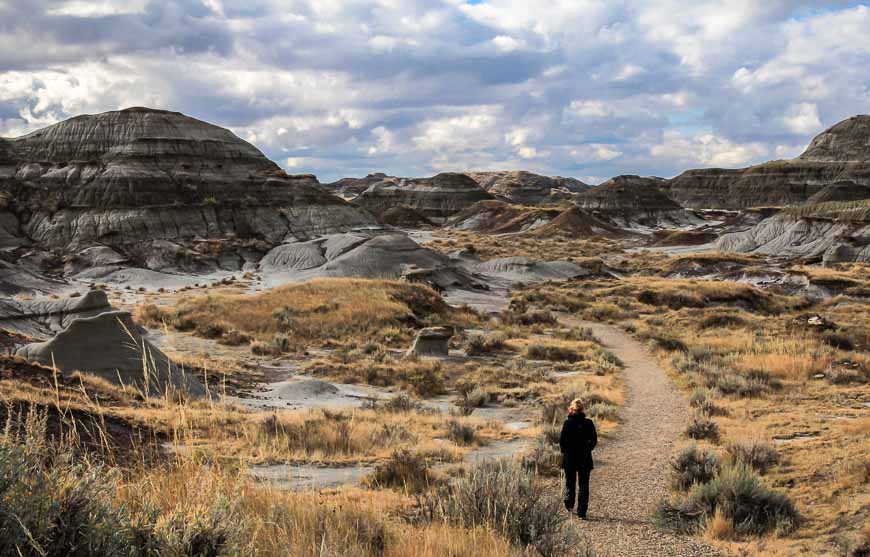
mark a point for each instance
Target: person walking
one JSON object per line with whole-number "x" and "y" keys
{"x": 577, "y": 440}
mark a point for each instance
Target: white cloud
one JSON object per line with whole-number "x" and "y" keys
{"x": 98, "y": 8}
{"x": 506, "y": 43}
{"x": 803, "y": 118}
{"x": 707, "y": 149}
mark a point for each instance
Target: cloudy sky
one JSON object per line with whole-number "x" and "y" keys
{"x": 580, "y": 88}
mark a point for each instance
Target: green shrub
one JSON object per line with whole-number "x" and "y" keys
{"x": 758, "y": 454}
{"x": 702, "y": 427}
{"x": 479, "y": 345}
{"x": 506, "y": 498}
{"x": 461, "y": 433}
{"x": 544, "y": 459}
{"x": 740, "y": 496}
{"x": 552, "y": 353}
{"x": 403, "y": 469}
{"x": 669, "y": 343}
{"x": 693, "y": 465}
{"x": 54, "y": 502}
{"x": 603, "y": 411}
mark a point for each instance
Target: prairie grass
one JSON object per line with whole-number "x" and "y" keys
{"x": 315, "y": 312}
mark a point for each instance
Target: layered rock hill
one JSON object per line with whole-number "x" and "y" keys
{"x": 349, "y": 188}
{"x": 839, "y": 154}
{"x": 526, "y": 188}
{"x": 635, "y": 203}
{"x": 437, "y": 197}
{"x": 142, "y": 174}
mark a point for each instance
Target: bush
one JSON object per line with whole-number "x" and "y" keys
{"x": 405, "y": 470}
{"x": 506, "y": 498}
{"x": 460, "y": 433}
{"x": 478, "y": 345}
{"x": 54, "y": 502}
{"x": 739, "y": 496}
{"x": 512, "y": 317}
{"x": 235, "y": 338}
{"x": 603, "y": 411}
{"x": 552, "y": 353}
{"x": 398, "y": 404}
{"x": 693, "y": 465}
{"x": 758, "y": 454}
{"x": 721, "y": 321}
{"x": 426, "y": 381}
{"x": 839, "y": 340}
{"x": 702, "y": 427}
{"x": 211, "y": 330}
{"x": 669, "y": 343}
{"x": 729, "y": 382}
{"x": 544, "y": 459}
{"x": 149, "y": 315}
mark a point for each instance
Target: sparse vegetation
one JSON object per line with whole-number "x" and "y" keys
{"x": 505, "y": 497}
{"x": 693, "y": 465}
{"x": 737, "y": 496}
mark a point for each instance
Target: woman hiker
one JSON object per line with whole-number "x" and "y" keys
{"x": 577, "y": 440}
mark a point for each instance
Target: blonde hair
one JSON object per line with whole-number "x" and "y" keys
{"x": 576, "y": 406}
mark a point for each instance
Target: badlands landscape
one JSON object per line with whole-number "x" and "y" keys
{"x": 205, "y": 355}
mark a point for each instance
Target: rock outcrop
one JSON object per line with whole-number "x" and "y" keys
{"x": 527, "y": 188}
{"x": 499, "y": 217}
{"x": 432, "y": 342}
{"x": 635, "y": 203}
{"x": 111, "y": 346}
{"x": 839, "y": 154}
{"x": 387, "y": 256}
{"x": 436, "y": 198}
{"x": 830, "y": 232}
{"x": 841, "y": 191}
{"x": 349, "y": 188}
{"x": 141, "y": 174}
{"x": 43, "y": 318}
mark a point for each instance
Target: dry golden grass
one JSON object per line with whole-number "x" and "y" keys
{"x": 320, "y": 311}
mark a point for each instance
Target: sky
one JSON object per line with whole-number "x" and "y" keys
{"x": 582, "y": 88}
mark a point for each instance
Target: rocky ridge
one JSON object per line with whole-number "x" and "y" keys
{"x": 527, "y": 188}
{"x": 437, "y": 197}
{"x": 839, "y": 154}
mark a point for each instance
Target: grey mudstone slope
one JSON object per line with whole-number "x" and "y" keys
{"x": 840, "y": 153}
{"x": 527, "y": 188}
{"x": 364, "y": 255}
{"x": 437, "y": 197}
{"x": 111, "y": 346}
{"x": 143, "y": 174}
{"x": 832, "y": 232}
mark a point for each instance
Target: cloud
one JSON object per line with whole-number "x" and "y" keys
{"x": 411, "y": 87}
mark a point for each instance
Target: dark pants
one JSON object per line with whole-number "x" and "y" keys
{"x": 572, "y": 478}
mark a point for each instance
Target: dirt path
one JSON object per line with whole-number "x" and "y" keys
{"x": 631, "y": 471}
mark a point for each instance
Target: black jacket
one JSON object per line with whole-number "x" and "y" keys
{"x": 577, "y": 440}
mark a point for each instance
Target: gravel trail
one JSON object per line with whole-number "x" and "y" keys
{"x": 631, "y": 471}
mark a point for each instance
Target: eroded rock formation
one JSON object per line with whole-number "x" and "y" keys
{"x": 437, "y": 197}
{"x": 142, "y": 174}
{"x": 635, "y": 203}
{"x": 839, "y": 154}
{"x": 527, "y": 188}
